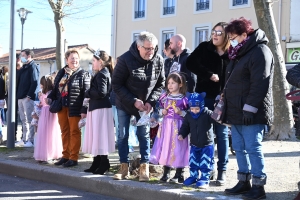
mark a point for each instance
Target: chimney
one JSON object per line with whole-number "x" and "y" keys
{"x": 66, "y": 45}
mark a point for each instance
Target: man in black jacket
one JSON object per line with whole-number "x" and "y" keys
{"x": 137, "y": 81}
{"x": 177, "y": 46}
{"x": 27, "y": 90}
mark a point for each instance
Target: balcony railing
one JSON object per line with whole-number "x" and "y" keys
{"x": 202, "y": 6}
{"x": 139, "y": 14}
{"x": 169, "y": 10}
{"x": 239, "y": 2}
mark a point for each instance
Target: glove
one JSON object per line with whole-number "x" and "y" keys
{"x": 248, "y": 118}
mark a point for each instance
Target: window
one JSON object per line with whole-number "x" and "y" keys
{"x": 239, "y": 2}
{"x": 201, "y": 33}
{"x": 234, "y": 4}
{"x": 165, "y": 34}
{"x": 135, "y": 35}
{"x": 168, "y": 8}
{"x": 202, "y": 5}
{"x": 139, "y": 9}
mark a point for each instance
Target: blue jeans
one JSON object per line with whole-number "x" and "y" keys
{"x": 116, "y": 121}
{"x": 142, "y": 134}
{"x": 221, "y": 132}
{"x": 247, "y": 143}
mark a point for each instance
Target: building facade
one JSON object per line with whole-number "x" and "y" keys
{"x": 194, "y": 19}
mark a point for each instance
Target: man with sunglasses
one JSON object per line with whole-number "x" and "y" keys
{"x": 137, "y": 81}
{"x": 181, "y": 53}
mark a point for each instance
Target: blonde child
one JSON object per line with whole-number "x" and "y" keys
{"x": 167, "y": 149}
{"x": 48, "y": 144}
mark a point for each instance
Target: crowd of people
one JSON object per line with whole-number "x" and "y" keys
{"x": 234, "y": 66}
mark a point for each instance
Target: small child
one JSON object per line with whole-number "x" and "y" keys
{"x": 167, "y": 149}
{"x": 48, "y": 143}
{"x": 198, "y": 122}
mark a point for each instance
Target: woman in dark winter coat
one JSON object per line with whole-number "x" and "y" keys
{"x": 208, "y": 61}
{"x": 70, "y": 84}
{"x": 249, "y": 103}
{"x": 100, "y": 115}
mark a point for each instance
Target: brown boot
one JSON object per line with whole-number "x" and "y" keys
{"x": 144, "y": 172}
{"x": 122, "y": 173}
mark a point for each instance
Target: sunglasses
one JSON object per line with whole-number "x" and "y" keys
{"x": 218, "y": 33}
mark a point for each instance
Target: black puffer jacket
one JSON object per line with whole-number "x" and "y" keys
{"x": 136, "y": 78}
{"x": 99, "y": 90}
{"x": 190, "y": 77}
{"x": 204, "y": 61}
{"x": 200, "y": 129}
{"x": 78, "y": 84}
{"x": 249, "y": 87}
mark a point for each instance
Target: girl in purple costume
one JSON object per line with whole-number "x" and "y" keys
{"x": 167, "y": 149}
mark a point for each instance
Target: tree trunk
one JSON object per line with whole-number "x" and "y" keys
{"x": 283, "y": 116}
{"x": 59, "y": 41}
{"x": 57, "y": 9}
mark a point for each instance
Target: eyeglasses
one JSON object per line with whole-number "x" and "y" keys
{"x": 218, "y": 33}
{"x": 149, "y": 49}
{"x": 233, "y": 37}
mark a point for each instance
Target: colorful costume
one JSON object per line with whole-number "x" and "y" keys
{"x": 167, "y": 149}
{"x": 48, "y": 143}
{"x": 202, "y": 148}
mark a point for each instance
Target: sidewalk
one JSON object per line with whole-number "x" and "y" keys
{"x": 282, "y": 168}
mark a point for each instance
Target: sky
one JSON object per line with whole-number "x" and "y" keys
{"x": 92, "y": 27}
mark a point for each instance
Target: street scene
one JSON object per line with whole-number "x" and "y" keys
{"x": 111, "y": 99}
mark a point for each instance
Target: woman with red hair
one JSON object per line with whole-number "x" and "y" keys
{"x": 249, "y": 103}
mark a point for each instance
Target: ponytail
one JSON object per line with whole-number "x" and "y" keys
{"x": 110, "y": 65}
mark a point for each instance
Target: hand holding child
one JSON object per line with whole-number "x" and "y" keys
{"x": 177, "y": 110}
{"x": 164, "y": 112}
{"x": 180, "y": 137}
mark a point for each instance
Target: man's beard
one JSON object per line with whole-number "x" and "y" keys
{"x": 173, "y": 52}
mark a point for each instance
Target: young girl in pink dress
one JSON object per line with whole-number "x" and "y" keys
{"x": 167, "y": 149}
{"x": 48, "y": 143}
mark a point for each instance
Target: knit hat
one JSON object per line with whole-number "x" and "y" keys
{"x": 197, "y": 100}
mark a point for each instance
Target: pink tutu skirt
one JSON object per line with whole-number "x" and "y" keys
{"x": 99, "y": 136}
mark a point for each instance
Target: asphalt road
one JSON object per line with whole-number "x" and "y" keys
{"x": 17, "y": 188}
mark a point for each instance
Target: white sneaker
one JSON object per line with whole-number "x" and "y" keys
{"x": 19, "y": 144}
{"x": 28, "y": 144}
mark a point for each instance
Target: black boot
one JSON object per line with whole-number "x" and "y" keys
{"x": 240, "y": 188}
{"x": 256, "y": 192}
{"x": 178, "y": 178}
{"x": 95, "y": 164}
{"x": 104, "y": 165}
{"x": 166, "y": 175}
{"x": 221, "y": 180}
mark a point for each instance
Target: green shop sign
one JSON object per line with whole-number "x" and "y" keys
{"x": 293, "y": 55}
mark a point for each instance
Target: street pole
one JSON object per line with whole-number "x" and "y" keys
{"x": 12, "y": 80}
{"x": 22, "y": 21}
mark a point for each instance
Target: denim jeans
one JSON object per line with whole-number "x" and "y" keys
{"x": 26, "y": 107}
{"x": 142, "y": 134}
{"x": 115, "y": 114}
{"x": 221, "y": 132}
{"x": 247, "y": 143}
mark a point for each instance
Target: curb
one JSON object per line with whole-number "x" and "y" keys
{"x": 101, "y": 184}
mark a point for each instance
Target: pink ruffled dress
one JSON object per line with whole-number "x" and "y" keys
{"x": 48, "y": 142}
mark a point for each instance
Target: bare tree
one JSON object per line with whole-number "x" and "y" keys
{"x": 283, "y": 115}
{"x": 67, "y": 8}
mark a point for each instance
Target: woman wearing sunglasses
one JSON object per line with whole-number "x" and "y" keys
{"x": 208, "y": 61}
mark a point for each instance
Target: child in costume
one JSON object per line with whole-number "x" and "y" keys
{"x": 198, "y": 122}
{"x": 167, "y": 149}
{"x": 48, "y": 143}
